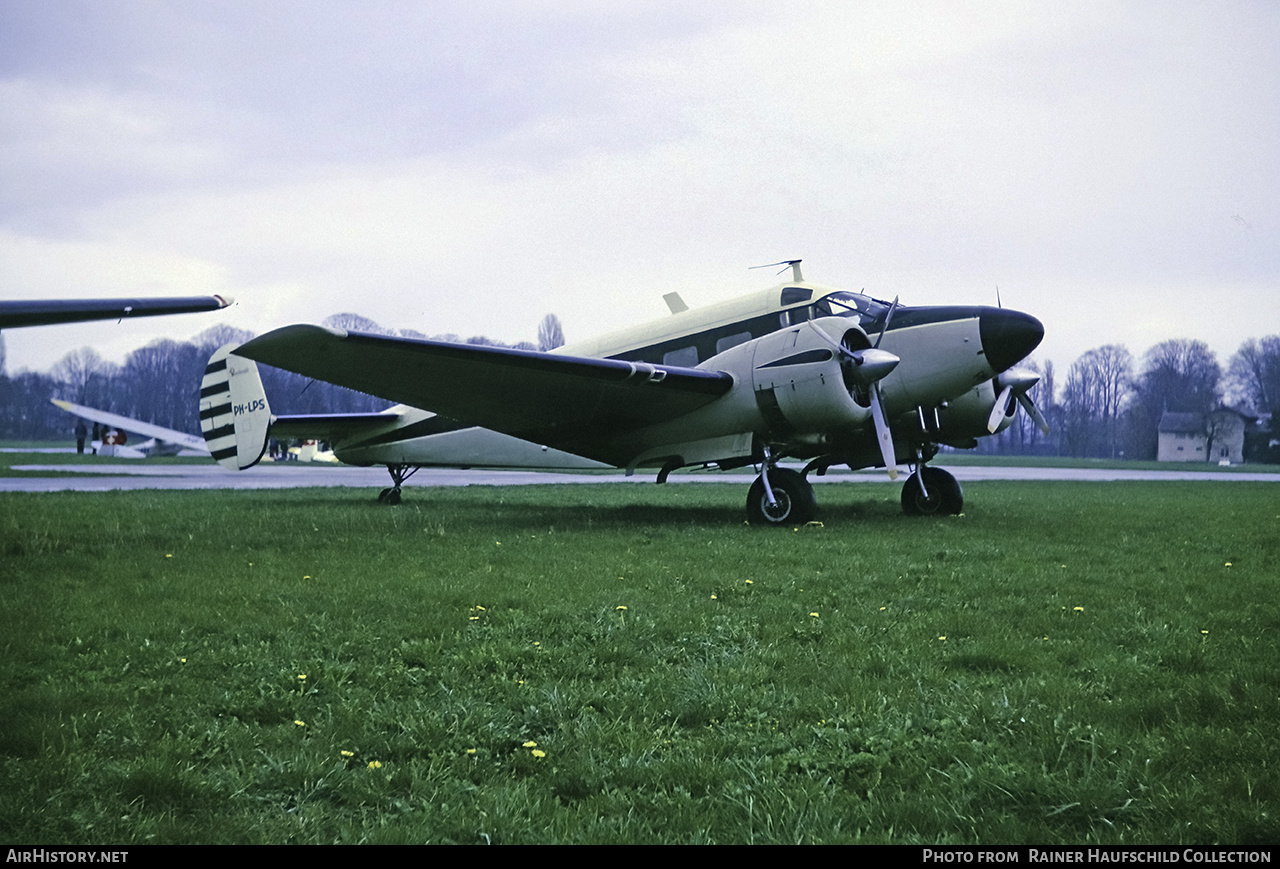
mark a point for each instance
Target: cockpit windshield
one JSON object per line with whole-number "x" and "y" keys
{"x": 845, "y": 304}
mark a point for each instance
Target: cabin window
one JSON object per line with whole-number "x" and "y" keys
{"x": 685, "y": 357}
{"x": 732, "y": 341}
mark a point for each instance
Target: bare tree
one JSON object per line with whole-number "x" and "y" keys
{"x": 216, "y": 336}
{"x": 1097, "y": 385}
{"x": 1254, "y": 374}
{"x": 550, "y": 333}
{"x": 76, "y": 372}
{"x": 354, "y": 323}
{"x": 1180, "y": 375}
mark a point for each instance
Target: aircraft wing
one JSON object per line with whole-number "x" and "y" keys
{"x": 571, "y": 403}
{"x": 145, "y": 429}
{"x": 47, "y": 312}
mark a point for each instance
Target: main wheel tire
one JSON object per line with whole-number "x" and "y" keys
{"x": 389, "y": 496}
{"x": 942, "y": 495}
{"x": 795, "y": 503}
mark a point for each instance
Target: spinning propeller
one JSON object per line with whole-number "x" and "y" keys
{"x": 1014, "y": 385}
{"x": 867, "y": 367}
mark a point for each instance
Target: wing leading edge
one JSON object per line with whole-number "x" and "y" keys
{"x": 576, "y": 404}
{"x": 53, "y": 311}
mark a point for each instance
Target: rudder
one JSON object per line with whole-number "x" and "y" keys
{"x": 235, "y": 418}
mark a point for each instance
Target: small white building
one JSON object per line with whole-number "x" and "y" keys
{"x": 1198, "y": 437}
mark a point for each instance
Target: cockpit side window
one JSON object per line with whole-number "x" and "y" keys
{"x": 795, "y": 295}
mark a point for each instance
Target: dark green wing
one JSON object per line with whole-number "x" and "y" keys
{"x": 572, "y": 403}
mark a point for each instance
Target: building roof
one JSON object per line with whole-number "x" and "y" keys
{"x": 1185, "y": 423}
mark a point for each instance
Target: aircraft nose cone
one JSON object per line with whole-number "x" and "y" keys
{"x": 1008, "y": 336}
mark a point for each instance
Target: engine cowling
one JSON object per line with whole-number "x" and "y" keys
{"x": 965, "y": 418}
{"x": 804, "y": 386}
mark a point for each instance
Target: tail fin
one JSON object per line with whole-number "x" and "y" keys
{"x": 234, "y": 415}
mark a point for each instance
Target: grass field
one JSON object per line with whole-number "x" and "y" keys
{"x": 1064, "y": 663}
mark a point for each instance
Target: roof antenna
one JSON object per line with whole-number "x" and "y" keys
{"x": 795, "y": 268}
{"x": 998, "y": 305}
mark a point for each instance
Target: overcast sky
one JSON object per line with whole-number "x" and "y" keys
{"x": 469, "y": 167}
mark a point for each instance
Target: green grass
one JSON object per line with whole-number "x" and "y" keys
{"x": 1064, "y": 663}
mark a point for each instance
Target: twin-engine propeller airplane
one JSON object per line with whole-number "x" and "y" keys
{"x": 799, "y": 371}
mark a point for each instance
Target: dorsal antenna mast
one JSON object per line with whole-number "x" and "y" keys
{"x": 793, "y": 263}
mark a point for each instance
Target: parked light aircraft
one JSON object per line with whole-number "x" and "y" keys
{"x": 163, "y": 441}
{"x": 798, "y": 371}
{"x": 49, "y": 312}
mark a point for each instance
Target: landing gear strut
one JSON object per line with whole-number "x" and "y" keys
{"x": 399, "y": 473}
{"x": 932, "y": 492}
{"x": 780, "y": 496}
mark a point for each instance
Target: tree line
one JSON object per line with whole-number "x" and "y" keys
{"x": 160, "y": 383}
{"x": 1111, "y": 403}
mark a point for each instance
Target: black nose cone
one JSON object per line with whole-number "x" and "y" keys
{"x": 1008, "y": 337}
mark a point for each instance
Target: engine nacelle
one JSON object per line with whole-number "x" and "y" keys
{"x": 802, "y": 385}
{"x": 965, "y": 418}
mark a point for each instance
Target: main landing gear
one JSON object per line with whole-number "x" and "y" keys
{"x": 780, "y": 496}
{"x": 399, "y": 473}
{"x": 932, "y": 492}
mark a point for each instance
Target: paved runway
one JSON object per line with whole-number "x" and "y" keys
{"x": 140, "y": 475}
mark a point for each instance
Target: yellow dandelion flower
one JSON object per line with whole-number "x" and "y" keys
{"x": 183, "y": 660}
{"x": 299, "y": 723}
{"x": 713, "y": 597}
{"x": 471, "y": 751}
{"x": 747, "y": 582}
{"x": 537, "y": 644}
{"x": 537, "y": 752}
{"x": 1078, "y": 609}
{"x": 531, "y": 744}
{"x": 169, "y": 555}
{"x": 346, "y": 753}
{"x": 474, "y": 619}
{"x": 882, "y": 609}
{"x": 375, "y": 764}
{"x": 620, "y": 608}
{"x": 943, "y": 637}
{"x": 1228, "y": 564}
{"x": 813, "y": 615}
{"x": 306, "y": 577}
{"x": 302, "y": 676}
{"x": 482, "y": 609}
{"x": 1204, "y": 632}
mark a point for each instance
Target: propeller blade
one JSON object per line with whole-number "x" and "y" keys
{"x": 887, "y": 318}
{"x": 1034, "y": 412}
{"x": 1000, "y": 411}
{"x": 882, "y": 433}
